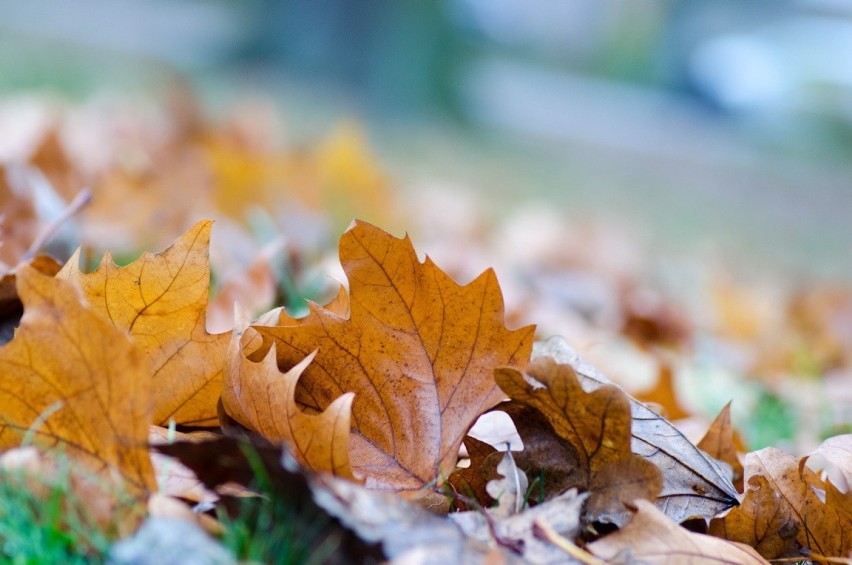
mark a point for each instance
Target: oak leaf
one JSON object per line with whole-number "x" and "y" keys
{"x": 762, "y": 521}
{"x": 70, "y": 377}
{"x": 418, "y": 351}
{"x": 472, "y": 481}
{"x": 261, "y": 398}
{"x": 693, "y": 483}
{"x": 161, "y": 300}
{"x": 720, "y": 442}
{"x": 651, "y": 537}
{"x": 596, "y": 424}
{"x": 821, "y": 528}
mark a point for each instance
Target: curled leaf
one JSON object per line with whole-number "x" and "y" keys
{"x": 596, "y": 424}
{"x": 260, "y": 397}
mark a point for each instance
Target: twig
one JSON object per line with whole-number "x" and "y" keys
{"x": 80, "y": 201}
{"x": 542, "y": 530}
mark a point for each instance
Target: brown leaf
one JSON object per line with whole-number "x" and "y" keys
{"x": 720, "y": 443}
{"x": 160, "y": 300}
{"x": 73, "y": 379}
{"x": 259, "y": 397}
{"x": 820, "y": 528}
{"x": 546, "y": 457}
{"x": 418, "y": 351}
{"x": 472, "y": 481}
{"x": 693, "y": 483}
{"x": 651, "y": 537}
{"x": 762, "y": 521}
{"x": 596, "y": 424}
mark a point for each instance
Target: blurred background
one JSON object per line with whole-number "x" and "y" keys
{"x": 666, "y": 183}
{"x": 721, "y": 124}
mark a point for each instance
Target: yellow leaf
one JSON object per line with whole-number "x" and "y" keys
{"x": 161, "y": 301}
{"x": 72, "y": 378}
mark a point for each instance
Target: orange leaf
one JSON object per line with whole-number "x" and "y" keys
{"x": 81, "y": 376}
{"x": 418, "y": 351}
{"x": 652, "y": 538}
{"x": 259, "y": 397}
{"x": 720, "y": 442}
{"x": 161, "y": 300}
{"x": 596, "y": 424}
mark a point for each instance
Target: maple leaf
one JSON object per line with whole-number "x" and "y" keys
{"x": 418, "y": 351}
{"x": 258, "y": 396}
{"x": 779, "y": 485}
{"x": 595, "y": 424}
{"x": 651, "y": 537}
{"x": 74, "y": 379}
{"x": 160, "y": 300}
{"x": 693, "y": 483}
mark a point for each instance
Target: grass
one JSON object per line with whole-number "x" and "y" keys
{"x": 277, "y": 527}
{"x": 53, "y": 526}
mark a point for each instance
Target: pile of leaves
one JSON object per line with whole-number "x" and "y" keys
{"x": 374, "y": 414}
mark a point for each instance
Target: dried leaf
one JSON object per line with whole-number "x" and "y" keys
{"x": 418, "y": 351}
{"x": 763, "y": 521}
{"x": 651, "y": 537}
{"x": 596, "y": 424}
{"x": 260, "y": 397}
{"x": 663, "y": 395}
{"x": 161, "y": 300}
{"x": 518, "y": 531}
{"x": 720, "y": 443}
{"x": 510, "y": 489}
{"x": 693, "y": 483}
{"x": 73, "y": 379}
{"x": 472, "y": 481}
{"x": 833, "y": 461}
{"x": 820, "y": 528}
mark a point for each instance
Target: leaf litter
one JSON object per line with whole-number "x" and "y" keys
{"x": 373, "y": 395}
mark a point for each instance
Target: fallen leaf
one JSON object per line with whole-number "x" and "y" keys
{"x": 651, "y": 537}
{"x": 69, "y": 377}
{"x": 663, "y": 394}
{"x": 820, "y": 528}
{"x": 19, "y": 224}
{"x": 596, "y": 424}
{"x": 418, "y": 351}
{"x": 472, "y": 481}
{"x": 518, "y": 531}
{"x": 720, "y": 442}
{"x": 762, "y": 521}
{"x": 510, "y": 489}
{"x": 693, "y": 483}
{"x": 261, "y": 398}
{"x": 551, "y": 462}
{"x": 160, "y": 300}
{"x": 833, "y": 461}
